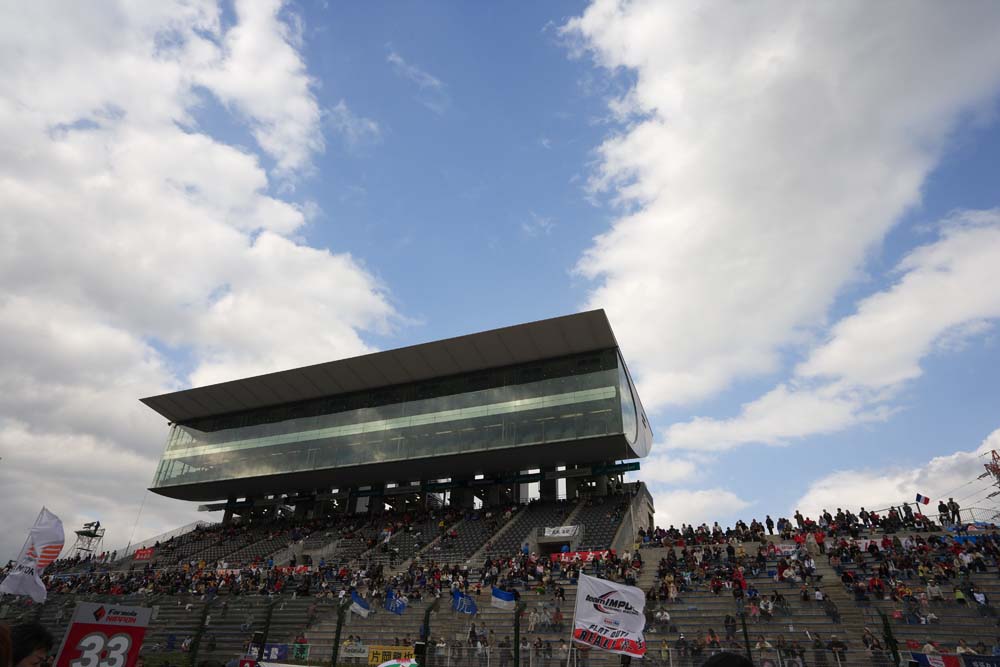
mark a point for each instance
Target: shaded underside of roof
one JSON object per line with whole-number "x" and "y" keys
{"x": 523, "y": 343}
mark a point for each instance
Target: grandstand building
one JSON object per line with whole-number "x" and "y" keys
{"x": 463, "y": 421}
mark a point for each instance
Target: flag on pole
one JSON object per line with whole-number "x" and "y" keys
{"x": 395, "y": 603}
{"x": 502, "y": 599}
{"x": 923, "y": 499}
{"x": 44, "y": 544}
{"x": 610, "y": 616}
{"x": 359, "y": 606}
{"x": 463, "y": 604}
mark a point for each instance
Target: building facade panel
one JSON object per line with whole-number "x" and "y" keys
{"x": 530, "y": 405}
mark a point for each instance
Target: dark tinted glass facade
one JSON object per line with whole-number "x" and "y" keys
{"x": 556, "y": 400}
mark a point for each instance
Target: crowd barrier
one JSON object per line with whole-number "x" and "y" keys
{"x": 494, "y": 656}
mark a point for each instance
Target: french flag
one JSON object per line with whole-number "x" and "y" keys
{"x": 923, "y": 499}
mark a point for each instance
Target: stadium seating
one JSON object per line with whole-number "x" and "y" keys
{"x": 522, "y": 526}
{"x": 220, "y": 614}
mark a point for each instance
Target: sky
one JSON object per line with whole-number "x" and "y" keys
{"x": 789, "y": 211}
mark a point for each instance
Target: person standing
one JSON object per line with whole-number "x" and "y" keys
{"x": 944, "y": 512}
{"x": 954, "y": 508}
{"x": 505, "y": 652}
{"x": 730, "y": 624}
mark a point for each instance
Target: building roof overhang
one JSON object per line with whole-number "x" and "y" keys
{"x": 523, "y": 343}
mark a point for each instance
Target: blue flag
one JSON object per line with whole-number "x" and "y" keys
{"x": 502, "y": 599}
{"x": 359, "y": 605}
{"x": 463, "y": 604}
{"x": 395, "y": 603}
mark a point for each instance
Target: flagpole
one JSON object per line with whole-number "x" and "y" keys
{"x": 572, "y": 625}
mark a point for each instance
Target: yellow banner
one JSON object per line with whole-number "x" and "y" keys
{"x": 379, "y": 654}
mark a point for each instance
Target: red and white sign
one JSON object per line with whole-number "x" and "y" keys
{"x": 248, "y": 662}
{"x": 103, "y": 635}
{"x": 143, "y": 554}
{"x": 610, "y": 617}
{"x": 585, "y": 556}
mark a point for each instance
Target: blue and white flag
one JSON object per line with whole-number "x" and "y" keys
{"x": 463, "y": 604}
{"x": 359, "y": 606}
{"x": 395, "y": 603}
{"x": 502, "y": 599}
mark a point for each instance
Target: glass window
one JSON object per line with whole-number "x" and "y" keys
{"x": 552, "y": 401}
{"x": 630, "y": 420}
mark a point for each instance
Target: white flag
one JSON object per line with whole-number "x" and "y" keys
{"x": 610, "y": 616}
{"x": 45, "y": 543}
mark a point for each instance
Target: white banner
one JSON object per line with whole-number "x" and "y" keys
{"x": 610, "y": 616}
{"x": 351, "y": 651}
{"x": 45, "y": 543}
{"x": 562, "y": 531}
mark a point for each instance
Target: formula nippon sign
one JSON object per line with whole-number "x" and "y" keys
{"x": 103, "y": 635}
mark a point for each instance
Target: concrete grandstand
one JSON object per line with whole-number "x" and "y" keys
{"x": 440, "y": 467}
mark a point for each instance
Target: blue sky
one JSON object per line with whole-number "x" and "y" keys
{"x": 788, "y": 211}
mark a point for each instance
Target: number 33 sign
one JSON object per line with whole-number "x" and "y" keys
{"x": 103, "y": 635}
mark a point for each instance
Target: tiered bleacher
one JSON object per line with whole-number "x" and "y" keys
{"x": 809, "y": 591}
{"x": 533, "y": 516}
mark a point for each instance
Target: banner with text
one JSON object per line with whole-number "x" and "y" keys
{"x": 585, "y": 556}
{"x": 103, "y": 634}
{"x": 143, "y": 554}
{"x": 562, "y": 531}
{"x": 44, "y": 544}
{"x": 609, "y": 616}
{"x": 379, "y": 654}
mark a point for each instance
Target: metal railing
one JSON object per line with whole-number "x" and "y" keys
{"x": 556, "y": 655}
{"x": 966, "y": 514}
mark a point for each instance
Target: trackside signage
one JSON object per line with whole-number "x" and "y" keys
{"x": 610, "y": 617}
{"x": 103, "y": 635}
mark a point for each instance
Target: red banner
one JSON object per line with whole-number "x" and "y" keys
{"x": 143, "y": 554}
{"x": 585, "y": 556}
{"x": 103, "y": 634}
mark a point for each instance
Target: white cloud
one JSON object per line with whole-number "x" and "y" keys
{"x": 769, "y": 148}
{"x": 354, "y": 128}
{"x": 941, "y": 291}
{"x": 537, "y": 225}
{"x": 433, "y": 92}
{"x": 940, "y": 477}
{"x": 262, "y": 75}
{"x": 937, "y": 301}
{"x": 410, "y": 71}
{"x": 695, "y": 507}
{"x": 668, "y": 470}
{"x": 139, "y": 253}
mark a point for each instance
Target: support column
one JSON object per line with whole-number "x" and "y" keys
{"x": 493, "y": 495}
{"x": 227, "y": 514}
{"x": 463, "y": 497}
{"x": 602, "y": 485}
{"x": 548, "y": 489}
